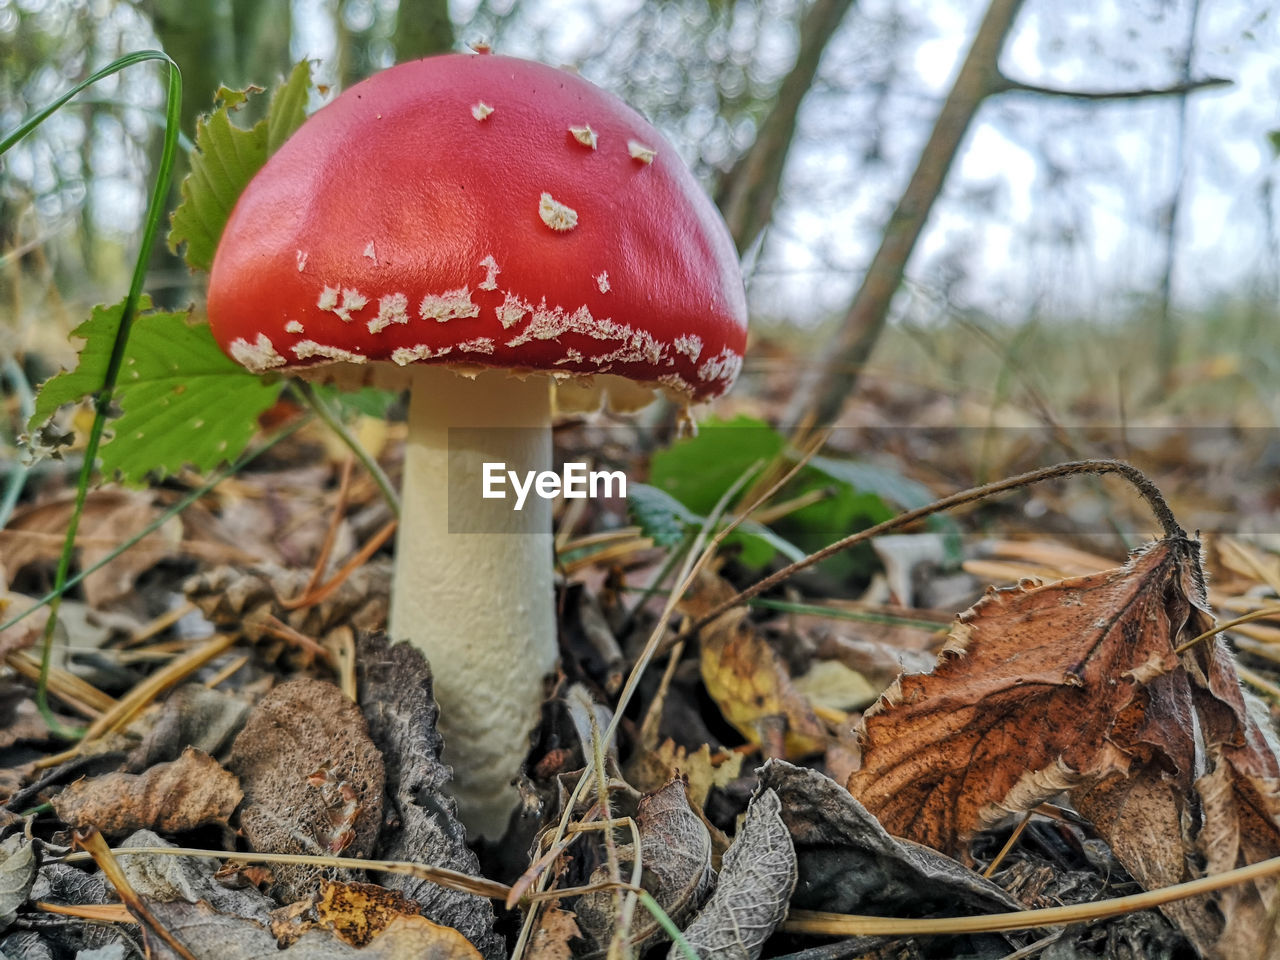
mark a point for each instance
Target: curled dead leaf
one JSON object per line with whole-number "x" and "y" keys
{"x": 192, "y": 791}
{"x": 1077, "y": 686}
{"x": 675, "y": 853}
{"x": 312, "y": 779}
{"x": 753, "y": 891}
{"x": 748, "y": 680}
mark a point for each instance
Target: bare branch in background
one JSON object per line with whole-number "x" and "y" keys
{"x": 979, "y": 78}
{"x": 1175, "y": 90}
{"x": 866, "y": 315}
{"x": 748, "y": 192}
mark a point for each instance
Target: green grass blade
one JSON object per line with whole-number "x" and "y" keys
{"x": 102, "y": 400}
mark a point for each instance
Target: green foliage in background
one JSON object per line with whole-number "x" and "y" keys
{"x": 689, "y": 477}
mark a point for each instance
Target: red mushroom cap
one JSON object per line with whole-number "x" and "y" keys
{"x": 482, "y": 211}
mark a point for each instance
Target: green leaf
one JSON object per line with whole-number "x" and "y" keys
{"x": 369, "y": 401}
{"x": 226, "y": 158}
{"x": 181, "y": 400}
{"x": 889, "y": 485}
{"x": 660, "y": 515}
{"x": 1274, "y": 138}
{"x": 698, "y": 470}
{"x": 892, "y": 487}
{"x": 668, "y": 521}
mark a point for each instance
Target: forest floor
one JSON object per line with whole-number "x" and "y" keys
{"x": 876, "y": 735}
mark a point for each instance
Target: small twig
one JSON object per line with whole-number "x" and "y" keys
{"x": 1262, "y": 614}
{"x": 310, "y": 596}
{"x": 304, "y": 391}
{"x": 1258, "y": 682}
{"x": 1006, "y": 85}
{"x": 837, "y": 925}
{"x": 159, "y": 625}
{"x": 91, "y": 841}
{"x": 146, "y": 691}
{"x": 1008, "y": 845}
{"x": 441, "y": 876}
{"x": 1136, "y": 477}
{"x": 331, "y": 534}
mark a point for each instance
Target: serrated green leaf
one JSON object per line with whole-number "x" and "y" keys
{"x": 181, "y": 400}
{"x": 288, "y": 106}
{"x": 226, "y": 158}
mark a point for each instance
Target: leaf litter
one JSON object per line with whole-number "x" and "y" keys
{"x": 1076, "y": 692}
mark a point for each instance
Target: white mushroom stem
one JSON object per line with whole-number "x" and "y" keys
{"x": 473, "y": 576}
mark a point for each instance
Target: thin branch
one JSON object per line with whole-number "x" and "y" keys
{"x": 1006, "y": 85}
{"x": 749, "y": 191}
{"x": 1132, "y": 474}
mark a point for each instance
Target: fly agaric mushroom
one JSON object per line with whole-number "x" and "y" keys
{"x": 468, "y": 226}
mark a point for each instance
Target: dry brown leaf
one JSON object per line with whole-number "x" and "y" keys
{"x": 358, "y": 912}
{"x": 211, "y": 935}
{"x": 650, "y": 769}
{"x": 110, "y": 517}
{"x": 312, "y": 778}
{"x": 676, "y": 856}
{"x": 192, "y": 791}
{"x": 754, "y": 890}
{"x": 1076, "y": 686}
{"x": 246, "y": 599}
{"x": 748, "y": 680}
{"x": 1022, "y": 703}
{"x": 395, "y": 698}
{"x": 550, "y": 940}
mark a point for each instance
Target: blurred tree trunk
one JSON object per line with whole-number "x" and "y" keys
{"x": 423, "y": 27}
{"x": 214, "y": 44}
{"x": 748, "y": 192}
{"x": 865, "y": 317}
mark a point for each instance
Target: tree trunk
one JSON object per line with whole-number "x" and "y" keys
{"x": 748, "y": 192}
{"x": 979, "y": 77}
